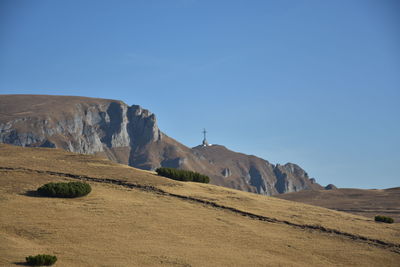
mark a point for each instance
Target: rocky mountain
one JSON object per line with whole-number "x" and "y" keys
{"x": 130, "y": 135}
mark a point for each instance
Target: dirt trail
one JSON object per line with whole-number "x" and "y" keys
{"x": 358, "y": 238}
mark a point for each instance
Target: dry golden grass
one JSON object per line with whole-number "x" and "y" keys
{"x": 365, "y": 202}
{"x": 120, "y": 226}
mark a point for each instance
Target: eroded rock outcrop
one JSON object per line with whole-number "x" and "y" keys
{"x": 330, "y": 187}
{"x": 250, "y": 173}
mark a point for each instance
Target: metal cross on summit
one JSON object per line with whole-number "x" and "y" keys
{"x": 205, "y": 143}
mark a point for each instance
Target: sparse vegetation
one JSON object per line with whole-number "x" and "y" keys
{"x": 41, "y": 259}
{"x": 138, "y": 223}
{"x": 65, "y": 190}
{"x": 183, "y": 175}
{"x": 384, "y": 219}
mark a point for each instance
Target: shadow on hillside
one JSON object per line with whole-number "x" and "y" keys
{"x": 21, "y": 263}
{"x": 31, "y": 193}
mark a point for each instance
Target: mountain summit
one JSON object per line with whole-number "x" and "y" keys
{"x": 130, "y": 135}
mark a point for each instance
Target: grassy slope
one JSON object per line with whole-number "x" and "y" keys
{"x": 357, "y": 201}
{"x": 119, "y": 226}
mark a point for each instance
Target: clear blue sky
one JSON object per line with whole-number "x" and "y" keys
{"x": 312, "y": 82}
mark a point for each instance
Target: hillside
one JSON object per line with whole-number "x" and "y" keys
{"x": 130, "y": 135}
{"x": 135, "y": 218}
{"x": 363, "y": 202}
{"x": 255, "y": 174}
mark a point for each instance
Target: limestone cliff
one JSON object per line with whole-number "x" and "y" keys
{"x": 82, "y": 125}
{"x": 130, "y": 135}
{"x": 251, "y": 173}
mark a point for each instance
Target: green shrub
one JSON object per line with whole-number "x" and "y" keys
{"x": 41, "y": 259}
{"x": 182, "y": 175}
{"x": 71, "y": 189}
{"x": 384, "y": 219}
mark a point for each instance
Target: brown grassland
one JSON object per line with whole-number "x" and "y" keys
{"x": 135, "y": 218}
{"x": 365, "y": 202}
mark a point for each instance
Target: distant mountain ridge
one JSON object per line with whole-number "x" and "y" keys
{"x": 130, "y": 135}
{"x": 364, "y": 202}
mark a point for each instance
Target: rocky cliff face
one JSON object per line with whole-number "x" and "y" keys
{"x": 253, "y": 174}
{"x": 130, "y": 135}
{"x": 81, "y": 125}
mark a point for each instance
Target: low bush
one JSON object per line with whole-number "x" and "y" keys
{"x": 71, "y": 189}
{"x": 384, "y": 219}
{"x": 182, "y": 175}
{"x": 41, "y": 259}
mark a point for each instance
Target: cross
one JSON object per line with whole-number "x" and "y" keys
{"x": 204, "y": 132}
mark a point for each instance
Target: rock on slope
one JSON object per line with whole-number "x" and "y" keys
{"x": 130, "y": 135}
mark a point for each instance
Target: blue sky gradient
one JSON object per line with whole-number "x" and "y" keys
{"x": 312, "y": 82}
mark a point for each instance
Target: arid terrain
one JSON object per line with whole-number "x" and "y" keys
{"x": 363, "y": 202}
{"x": 133, "y": 217}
